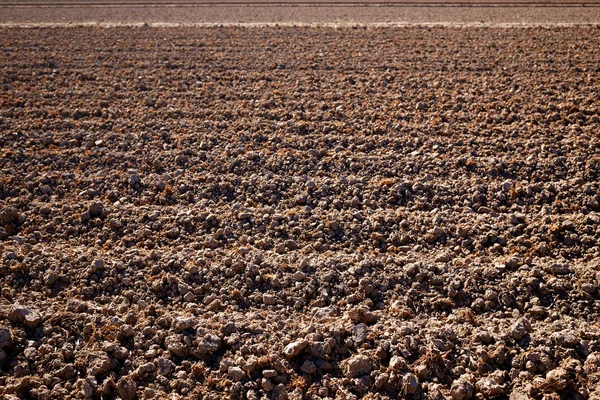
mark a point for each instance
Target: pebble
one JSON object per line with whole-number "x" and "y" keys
{"x": 95, "y": 209}
{"x": 558, "y": 378}
{"x": 182, "y": 323}
{"x": 295, "y": 348}
{"x": 6, "y": 338}
{"x": 410, "y": 384}
{"x": 100, "y": 364}
{"x": 461, "y": 389}
{"x": 358, "y": 365}
{"x": 236, "y": 373}
{"x": 308, "y": 367}
{"x": 30, "y": 316}
{"x": 520, "y": 329}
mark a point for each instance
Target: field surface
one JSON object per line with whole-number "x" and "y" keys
{"x": 300, "y": 12}
{"x": 306, "y": 212}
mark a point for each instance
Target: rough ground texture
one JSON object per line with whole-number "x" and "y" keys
{"x": 299, "y": 213}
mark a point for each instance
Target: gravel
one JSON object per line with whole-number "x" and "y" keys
{"x": 419, "y": 220}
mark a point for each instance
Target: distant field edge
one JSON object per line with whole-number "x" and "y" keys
{"x": 344, "y": 24}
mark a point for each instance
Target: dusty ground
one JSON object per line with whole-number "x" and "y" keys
{"x": 317, "y": 212}
{"x": 303, "y": 12}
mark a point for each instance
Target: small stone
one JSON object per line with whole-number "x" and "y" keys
{"x": 492, "y": 385}
{"x": 120, "y": 352}
{"x": 189, "y": 297}
{"x": 397, "y": 363}
{"x": 410, "y": 384}
{"x": 134, "y": 180}
{"x": 9, "y": 215}
{"x": 174, "y": 346}
{"x": 95, "y": 209}
{"x": 209, "y": 344}
{"x": 267, "y": 385}
{"x": 461, "y": 389}
{"x": 97, "y": 265}
{"x": 30, "y": 317}
{"x": 181, "y": 323}
{"x": 50, "y": 278}
{"x": 6, "y": 339}
{"x": 308, "y": 367}
{"x": 269, "y": 299}
{"x": 236, "y": 373}
{"x": 100, "y": 365}
{"x": 565, "y": 338}
{"x": 558, "y": 378}
{"x": 173, "y": 233}
{"x": 588, "y": 287}
{"x": 244, "y": 215}
{"x": 295, "y": 348}
{"x": 299, "y": 276}
{"x": 87, "y": 389}
{"x": 127, "y": 388}
{"x": 358, "y": 365}
{"x": 67, "y": 372}
{"x": 520, "y": 329}
{"x": 269, "y": 373}
{"x": 126, "y": 331}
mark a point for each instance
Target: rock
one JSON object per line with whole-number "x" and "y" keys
{"x": 308, "y": 367}
{"x": 9, "y": 215}
{"x": 520, "y": 329}
{"x": 97, "y": 265}
{"x": 558, "y": 378}
{"x": 461, "y": 389}
{"x": 181, "y": 323}
{"x": 120, "y": 353}
{"x": 244, "y": 215}
{"x": 50, "y": 278}
{"x": 410, "y": 384}
{"x": 517, "y": 394}
{"x": 126, "y": 331}
{"x": 88, "y": 388}
{"x": 397, "y": 363}
{"x": 299, "y": 276}
{"x": 269, "y": 299}
{"x": 67, "y": 372}
{"x": 492, "y": 385}
{"x": 6, "y": 338}
{"x": 175, "y": 346}
{"x": 269, "y": 373}
{"x": 134, "y": 180}
{"x": 127, "y": 388}
{"x": 29, "y": 316}
{"x": 236, "y": 373}
{"x": 267, "y": 385}
{"x": 358, "y": 365}
{"x": 565, "y": 338}
{"x": 95, "y": 209}
{"x": 173, "y": 233}
{"x": 209, "y": 344}
{"x": 295, "y": 348}
{"x": 100, "y": 365}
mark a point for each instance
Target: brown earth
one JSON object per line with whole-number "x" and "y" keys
{"x": 299, "y": 213}
{"x": 300, "y": 12}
